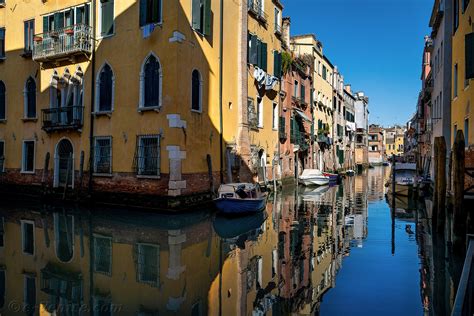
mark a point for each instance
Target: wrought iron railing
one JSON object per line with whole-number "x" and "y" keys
{"x": 62, "y": 42}
{"x": 255, "y": 6}
{"x": 68, "y": 117}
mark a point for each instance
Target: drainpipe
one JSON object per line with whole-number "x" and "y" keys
{"x": 221, "y": 123}
{"x": 91, "y": 131}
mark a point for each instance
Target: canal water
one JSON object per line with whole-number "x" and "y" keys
{"x": 336, "y": 250}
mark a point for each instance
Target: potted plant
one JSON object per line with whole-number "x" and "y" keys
{"x": 37, "y": 39}
{"x": 69, "y": 31}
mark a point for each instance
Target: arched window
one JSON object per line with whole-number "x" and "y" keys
{"x": 3, "y": 103}
{"x": 150, "y": 83}
{"x": 105, "y": 90}
{"x": 54, "y": 92}
{"x": 196, "y": 95}
{"x": 64, "y": 236}
{"x": 30, "y": 98}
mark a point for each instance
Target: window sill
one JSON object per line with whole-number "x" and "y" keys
{"x": 103, "y": 113}
{"x": 148, "y": 177}
{"x": 3, "y": 121}
{"x": 30, "y": 119}
{"x": 27, "y": 172}
{"x": 196, "y": 111}
{"x": 159, "y": 24}
{"x": 103, "y": 175}
{"x": 150, "y": 108}
{"x": 100, "y": 37}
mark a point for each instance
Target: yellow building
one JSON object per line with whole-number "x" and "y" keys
{"x": 463, "y": 70}
{"x": 147, "y": 107}
{"x": 322, "y": 97}
{"x": 138, "y": 266}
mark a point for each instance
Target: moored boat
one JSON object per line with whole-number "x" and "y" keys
{"x": 332, "y": 176}
{"x": 313, "y": 177}
{"x": 405, "y": 175}
{"x": 240, "y": 198}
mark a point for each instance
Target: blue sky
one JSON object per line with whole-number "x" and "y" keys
{"x": 377, "y": 45}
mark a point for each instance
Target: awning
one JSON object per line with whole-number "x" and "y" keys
{"x": 303, "y": 116}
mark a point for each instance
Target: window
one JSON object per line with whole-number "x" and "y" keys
{"x": 147, "y": 157}
{"x": 303, "y": 92}
{"x": 260, "y": 111}
{"x": 196, "y": 97}
{"x": 105, "y": 89}
{"x": 275, "y": 116}
{"x": 102, "y": 306}
{"x": 3, "y": 101}
{"x": 295, "y": 91}
{"x": 2, "y": 43}
{"x": 2, "y": 156}
{"x": 324, "y": 72}
{"x": 2, "y": 3}
{"x": 455, "y": 85}
{"x": 106, "y": 17}
{"x": 150, "y": 83}
{"x": 103, "y": 254}
{"x": 28, "y": 160}
{"x": 252, "y": 114}
{"x": 465, "y": 3}
{"x": 148, "y": 267}
{"x": 28, "y": 237}
{"x": 29, "y": 294}
{"x": 150, "y": 12}
{"x": 201, "y": 20}
{"x": 103, "y": 155}
{"x": 30, "y": 98}
{"x": 257, "y": 52}
{"x": 29, "y": 28}
{"x": 64, "y": 236}
{"x": 466, "y": 132}
{"x": 277, "y": 21}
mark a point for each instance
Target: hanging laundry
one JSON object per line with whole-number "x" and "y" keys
{"x": 148, "y": 29}
{"x": 270, "y": 82}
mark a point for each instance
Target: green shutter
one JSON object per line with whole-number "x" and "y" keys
{"x": 87, "y": 14}
{"x": 277, "y": 64}
{"x": 207, "y": 17}
{"x": 263, "y": 47}
{"x": 469, "y": 58}
{"x": 303, "y": 91}
{"x": 253, "y": 50}
{"x": 292, "y": 130}
{"x": 107, "y": 18}
{"x": 196, "y": 19}
{"x": 258, "y": 50}
{"x": 45, "y": 24}
{"x": 156, "y": 11}
{"x": 143, "y": 14}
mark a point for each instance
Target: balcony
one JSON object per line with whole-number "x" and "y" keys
{"x": 255, "y": 7}
{"x": 63, "y": 43}
{"x": 277, "y": 29}
{"x": 63, "y": 118}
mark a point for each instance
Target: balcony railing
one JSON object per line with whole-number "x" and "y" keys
{"x": 255, "y": 6}
{"x": 69, "y": 117}
{"x": 277, "y": 28}
{"x": 62, "y": 43}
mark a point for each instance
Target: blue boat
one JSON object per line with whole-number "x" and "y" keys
{"x": 240, "y": 198}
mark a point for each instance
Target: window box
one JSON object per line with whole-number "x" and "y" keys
{"x": 37, "y": 39}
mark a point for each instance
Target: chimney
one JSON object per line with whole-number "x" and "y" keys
{"x": 286, "y": 31}
{"x": 347, "y": 87}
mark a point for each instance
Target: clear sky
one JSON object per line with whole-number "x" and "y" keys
{"x": 376, "y": 44}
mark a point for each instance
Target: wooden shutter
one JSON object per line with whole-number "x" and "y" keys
{"x": 207, "y": 17}
{"x": 87, "y": 14}
{"x": 196, "y": 19}
{"x": 143, "y": 13}
{"x": 303, "y": 91}
{"x": 253, "y": 57}
{"x": 107, "y": 18}
{"x": 263, "y": 47}
{"x": 156, "y": 13}
{"x": 469, "y": 58}
{"x": 277, "y": 64}
{"x": 45, "y": 24}
{"x": 58, "y": 20}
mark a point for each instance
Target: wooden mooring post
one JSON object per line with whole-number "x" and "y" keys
{"x": 439, "y": 200}
{"x": 458, "y": 169}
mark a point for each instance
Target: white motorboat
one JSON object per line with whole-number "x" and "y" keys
{"x": 405, "y": 175}
{"x": 311, "y": 177}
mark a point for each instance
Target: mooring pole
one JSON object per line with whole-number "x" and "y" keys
{"x": 459, "y": 217}
{"x": 393, "y": 203}
{"x": 441, "y": 170}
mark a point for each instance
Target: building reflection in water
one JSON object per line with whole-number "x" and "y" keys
{"x": 282, "y": 261}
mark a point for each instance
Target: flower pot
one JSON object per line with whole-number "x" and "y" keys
{"x": 69, "y": 32}
{"x": 37, "y": 39}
